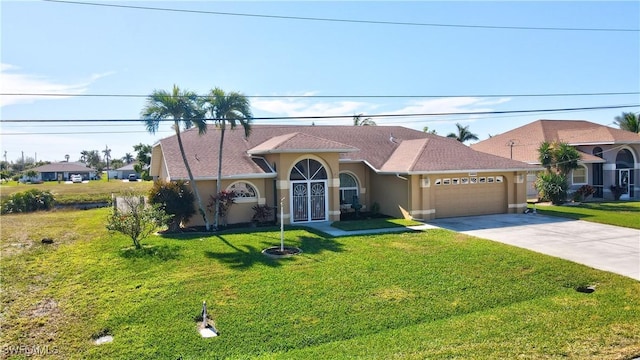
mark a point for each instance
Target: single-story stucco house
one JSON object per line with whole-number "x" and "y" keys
{"x": 125, "y": 171}
{"x": 318, "y": 170}
{"x": 62, "y": 171}
{"x": 609, "y": 156}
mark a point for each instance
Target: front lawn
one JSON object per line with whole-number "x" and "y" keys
{"x": 434, "y": 294}
{"x": 619, "y": 213}
{"x": 368, "y": 224}
{"x": 86, "y": 192}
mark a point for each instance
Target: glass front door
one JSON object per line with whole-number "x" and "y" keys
{"x": 624, "y": 181}
{"x": 308, "y": 201}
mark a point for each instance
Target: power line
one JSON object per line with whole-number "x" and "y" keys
{"x": 355, "y": 21}
{"x": 338, "y": 96}
{"x": 317, "y": 117}
{"x": 417, "y": 119}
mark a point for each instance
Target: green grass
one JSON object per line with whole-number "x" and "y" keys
{"x": 93, "y": 191}
{"x": 434, "y": 294}
{"x": 619, "y": 213}
{"x": 368, "y": 224}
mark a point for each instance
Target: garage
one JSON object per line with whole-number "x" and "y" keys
{"x": 468, "y": 196}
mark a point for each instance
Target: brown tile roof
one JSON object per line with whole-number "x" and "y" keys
{"x": 522, "y": 143}
{"x": 394, "y": 148}
{"x": 588, "y": 158}
{"x": 299, "y": 142}
{"x": 64, "y": 167}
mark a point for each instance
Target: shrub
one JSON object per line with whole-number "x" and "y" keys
{"x": 262, "y": 213}
{"x": 176, "y": 199}
{"x": 617, "y": 191}
{"x": 226, "y": 199}
{"x": 583, "y": 193}
{"x": 137, "y": 220}
{"x": 552, "y": 187}
{"x": 27, "y": 201}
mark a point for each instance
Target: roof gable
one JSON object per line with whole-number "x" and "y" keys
{"x": 522, "y": 143}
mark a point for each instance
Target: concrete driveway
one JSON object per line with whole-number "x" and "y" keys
{"x": 605, "y": 247}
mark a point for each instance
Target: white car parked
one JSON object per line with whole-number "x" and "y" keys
{"x": 76, "y": 178}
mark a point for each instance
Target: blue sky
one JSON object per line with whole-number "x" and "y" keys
{"x": 63, "y": 48}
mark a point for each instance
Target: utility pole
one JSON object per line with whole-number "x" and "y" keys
{"x": 107, "y": 155}
{"x": 511, "y": 144}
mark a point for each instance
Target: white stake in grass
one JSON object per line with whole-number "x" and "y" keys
{"x": 282, "y": 225}
{"x": 206, "y": 330}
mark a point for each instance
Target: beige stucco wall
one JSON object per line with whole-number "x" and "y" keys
{"x": 391, "y": 193}
{"x": 240, "y": 211}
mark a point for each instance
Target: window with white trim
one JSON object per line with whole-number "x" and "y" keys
{"x": 579, "y": 175}
{"x": 348, "y": 188}
{"x": 244, "y": 191}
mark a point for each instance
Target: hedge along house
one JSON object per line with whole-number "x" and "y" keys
{"x": 608, "y": 156}
{"x": 318, "y": 170}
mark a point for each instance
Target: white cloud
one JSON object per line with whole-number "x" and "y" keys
{"x": 448, "y": 105}
{"x": 301, "y": 107}
{"x": 14, "y": 82}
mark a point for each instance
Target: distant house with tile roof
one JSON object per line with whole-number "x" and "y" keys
{"x": 63, "y": 171}
{"x": 125, "y": 171}
{"x": 609, "y": 156}
{"x": 319, "y": 169}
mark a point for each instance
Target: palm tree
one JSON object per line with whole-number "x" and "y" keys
{"x": 181, "y": 106}
{"x": 359, "y": 121}
{"x": 231, "y": 108}
{"x": 127, "y": 158}
{"x": 107, "y": 156}
{"x": 84, "y": 154}
{"x": 426, "y": 130}
{"x": 463, "y": 134}
{"x": 66, "y": 157}
{"x": 628, "y": 121}
{"x": 566, "y": 158}
{"x": 545, "y": 155}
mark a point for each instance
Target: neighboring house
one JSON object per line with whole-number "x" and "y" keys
{"x": 609, "y": 156}
{"x": 63, "y": 170}
{"x": 318, "y": 170}
{"x": 125, "y": 171}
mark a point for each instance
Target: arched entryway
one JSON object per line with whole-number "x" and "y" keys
{"x": 309, "y": 201}
{"x": 624, "y": 172}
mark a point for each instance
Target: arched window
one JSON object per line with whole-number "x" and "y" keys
{"x": 348, "y": 188}
{"x": 624, "y": 159}
{"x": 308, "y": 169}
{"x": 244, "y": 191}
{"x": 579, "y": 175}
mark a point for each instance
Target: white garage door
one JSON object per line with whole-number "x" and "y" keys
{"x": 470, "y": 199}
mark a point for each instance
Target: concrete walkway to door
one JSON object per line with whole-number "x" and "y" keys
{"x": 604, "y": 247}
